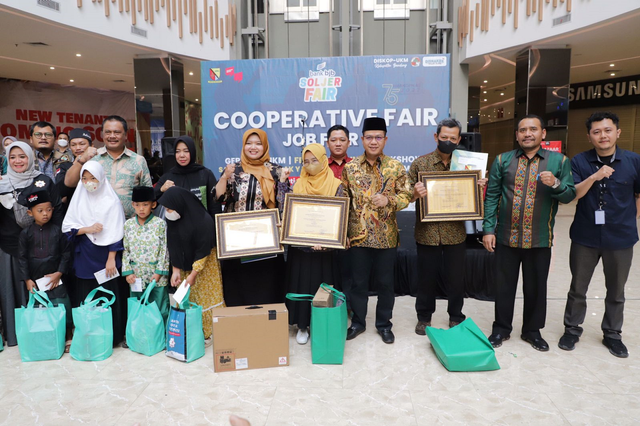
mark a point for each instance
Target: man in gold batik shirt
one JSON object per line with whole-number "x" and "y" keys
{"x": 377, "y": 186}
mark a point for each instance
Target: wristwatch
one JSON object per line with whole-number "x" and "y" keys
{"x": 556, "y": 184}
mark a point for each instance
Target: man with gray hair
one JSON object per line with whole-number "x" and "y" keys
{"x": 440, "y": 244}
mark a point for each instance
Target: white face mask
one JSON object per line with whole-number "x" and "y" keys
{"x": 91, "y": 186}
{"x": 62, "y": 143}
{"x": 172, "y": 216}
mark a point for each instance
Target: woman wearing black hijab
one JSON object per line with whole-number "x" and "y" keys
{"x": 191, "y": 176}
{"x": 191, "y": 239}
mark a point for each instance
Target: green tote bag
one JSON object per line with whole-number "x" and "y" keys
{"x": 328, "y": 330}
{"x": 463, "y": 348}
{"x": 40, "y": 331}
{"x": 185, "y": 338}
{"x": 93, "y": 337}
{"x": 145, "y": 325}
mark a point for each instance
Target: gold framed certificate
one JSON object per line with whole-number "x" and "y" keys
{"x": 452, "y": 195}
{"x": 311, "y": 220}
{"x": 248, "y": 233}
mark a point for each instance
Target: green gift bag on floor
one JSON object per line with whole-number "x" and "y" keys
{"x": 145, "y": 325}
{"x": 40, "y": 331}
{"x": 93, "y": 336}
{"x": 463, "y": 348}
{"x": 185, "y": 338}
{"x": 328, "y": 330}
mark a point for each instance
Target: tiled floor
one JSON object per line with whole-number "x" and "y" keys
{"x": 400, "y": 384}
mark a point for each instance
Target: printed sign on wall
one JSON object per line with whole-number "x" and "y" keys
{"x": 295, "y": 101}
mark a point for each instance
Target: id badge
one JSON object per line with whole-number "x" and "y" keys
{"x": 599, "y": 217}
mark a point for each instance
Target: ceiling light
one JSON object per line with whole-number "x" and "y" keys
{"x": 486, "y": 81}
{"x": 612, "y": 65}
{"x": 484, "y": 91}
{"x": 612, "y": 74}
{"x": 71, "y": 81}
{"x": 191, "y": 73}
{"x": 52, "y": 68}
{"x": 78, "y": 54}
{"x": 196, "y": 100}
{"x": 485, "y": 100}
{"x": 501, "y": 94}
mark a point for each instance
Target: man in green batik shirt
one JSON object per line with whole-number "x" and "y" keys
{"x": 525, "y": 186}
{"x": 124, "y": 168}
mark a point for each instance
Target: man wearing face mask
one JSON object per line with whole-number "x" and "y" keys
{"x": 440, "y": 244}
{"x": 62, "y": 145}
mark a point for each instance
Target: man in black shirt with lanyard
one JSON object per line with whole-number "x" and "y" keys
{"x": 607, "y": 180}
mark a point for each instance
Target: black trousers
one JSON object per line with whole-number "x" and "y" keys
{"x": 535, "y": 270}
{"x": 616, "y": 265}
{"x": 379, "y": 263}
{"x": 432, "y": 260}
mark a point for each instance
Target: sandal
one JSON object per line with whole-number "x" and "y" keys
{"x": 67, "y": 346}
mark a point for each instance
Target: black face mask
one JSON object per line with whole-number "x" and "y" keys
{"x": 446, "y": 147}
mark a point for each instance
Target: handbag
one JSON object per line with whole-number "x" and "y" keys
{"x": 145, "y": 326}
{"x": 93, "y": 337}
{"x": 22, "y": 217}
{"x": 185, "y": 338}
{"x": 463, "y": 348}
{"x": 328, "y": 328}
{"x": 40, "y": 331}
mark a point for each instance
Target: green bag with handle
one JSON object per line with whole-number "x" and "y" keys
{"x": 40, "y": 331}
{"x": 93, "y": 336}
{"x": 463, "y": 348}
{"x": 328, "y": 329}
{"x": 185, "y": 338}
{"x": 145, "y": 325}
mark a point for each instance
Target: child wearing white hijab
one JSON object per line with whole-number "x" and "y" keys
{"x": 95, "y": 223}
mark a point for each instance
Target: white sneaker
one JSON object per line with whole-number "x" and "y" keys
{"x": 302, "y": 337}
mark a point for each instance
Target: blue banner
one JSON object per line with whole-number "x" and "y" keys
{"x": 295, "y": 101}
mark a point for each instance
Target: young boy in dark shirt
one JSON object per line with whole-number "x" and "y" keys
{"x": 44, "y": 251}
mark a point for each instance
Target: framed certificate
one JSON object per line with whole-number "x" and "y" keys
{"x": 311, "y": 220}
{"x": 248, "y": 233}
{"x": 452, "y": 195}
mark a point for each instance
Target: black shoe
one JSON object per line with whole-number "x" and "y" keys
{"x": 387, "y": 336}
{"x": 354, "y": 331}
{"x": 616, "y": 347}
{"x": 496, "y": 339}
{"x": 537, "y": 343}
{"x": 568, "y": 342}
{"x": 421, "y": 327}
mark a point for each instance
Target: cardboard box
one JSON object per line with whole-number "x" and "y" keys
{"x": 249, "y": 337}
{"x": 323, "y": 298}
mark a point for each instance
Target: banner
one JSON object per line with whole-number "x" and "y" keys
{"x": 295, "y": 101}
{"x": 25, "y": 102}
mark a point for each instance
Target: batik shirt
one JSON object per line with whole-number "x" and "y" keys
{"x": 518, "y": 208}
{"x": 145, "y": 250}
{"x": 123, "y": 173}
{"x": 370, "y": 226}
{"x": 434, "y": 233}
{"x": 244, "y": 193}
{"x": 50, "y": 165}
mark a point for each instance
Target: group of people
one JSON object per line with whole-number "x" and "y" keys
{"x": 69, "y": 215}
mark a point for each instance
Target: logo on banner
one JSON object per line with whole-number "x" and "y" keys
{"x": 434, "y": 61}
{"x": 415, "y": 62}
{"x": 321, "y": 85}
{"x": 214, "y": 73}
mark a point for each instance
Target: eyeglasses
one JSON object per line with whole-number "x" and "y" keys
{"x": 378, "y": 138}
{"x": 40, "y": 135}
